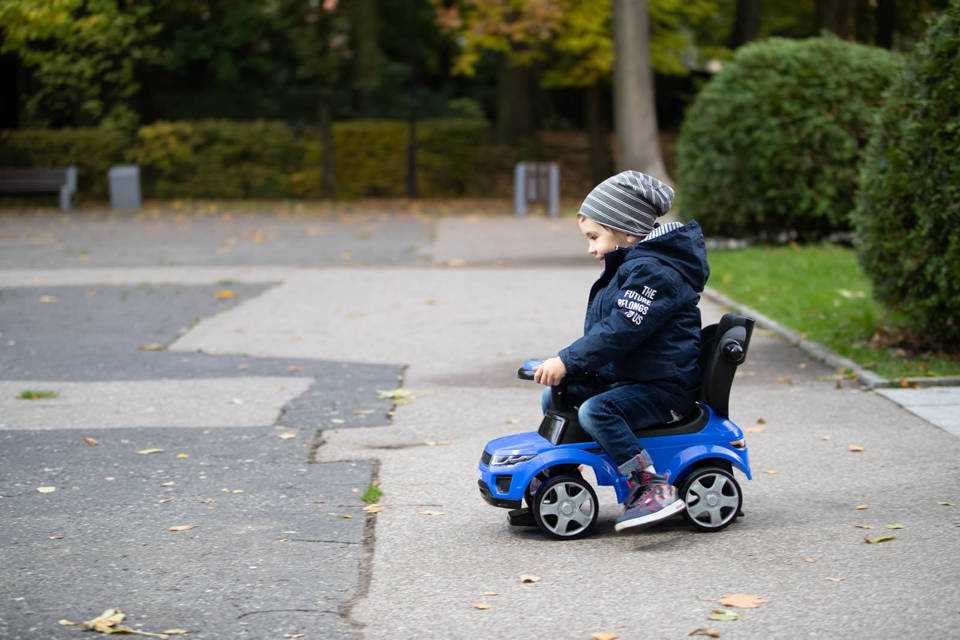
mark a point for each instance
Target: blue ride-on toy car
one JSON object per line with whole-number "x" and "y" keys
{"x": 537, "y": 475}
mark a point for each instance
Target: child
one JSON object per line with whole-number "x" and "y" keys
{"x": 641, "y": 335}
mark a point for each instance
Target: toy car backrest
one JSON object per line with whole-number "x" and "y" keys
{"x": 723, "y": 348}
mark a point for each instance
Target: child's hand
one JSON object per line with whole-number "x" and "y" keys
{"x": 550, "y": 372}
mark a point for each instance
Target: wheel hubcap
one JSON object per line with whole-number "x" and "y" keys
{"x": 566, "y": 509}
{"x": 712, "y": 500}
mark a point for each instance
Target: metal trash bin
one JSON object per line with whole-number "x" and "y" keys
{"x": 124, "y": 186}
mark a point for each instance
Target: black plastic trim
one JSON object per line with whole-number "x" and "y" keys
{"x": 497, "y": 502}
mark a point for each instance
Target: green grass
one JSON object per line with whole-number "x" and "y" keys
{"x": 821, "y": 293}
{"x": 372, "y": 495}
{"x": 36, "y": 394}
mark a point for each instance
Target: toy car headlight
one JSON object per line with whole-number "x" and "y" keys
{"x": 511, "y": 459}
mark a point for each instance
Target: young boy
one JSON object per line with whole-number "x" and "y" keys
{"x": 641, "y": 334}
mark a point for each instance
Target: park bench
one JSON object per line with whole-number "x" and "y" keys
{"x": 62, "y": 181}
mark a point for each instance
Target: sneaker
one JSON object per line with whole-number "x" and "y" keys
{"x": 650, "y": 503}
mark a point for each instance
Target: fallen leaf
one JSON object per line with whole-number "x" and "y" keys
{"x": 785, "y": 380}
{"x": 528, "y": 579}
{"x": 151, "y": 346}
{"x": 723, "y": 615}
{"x": 861, "y": 525}
{"x": 512, "y": 421}
{"x": 183, "y": 456}
{"x": 286, "y": 435}
{"x": 181, "y": 527}
{"x": 480, "y": 605}
{"x": 436, "y": 443}
{"x": 761, "y": 421}
{"x": 489, "y": 593}
{"x": 878, "y": 539}
{"x": 893, "y": 525}
{"x": 346, "y": 516}
{"x": 90, "y": 442}
{"x": 772, "y": 472}
{"x": 168, "y": 484}
{"x": 67, "y": 623}
{"x": 223, "y": 294}
{"x": 56, "y": 536}
{"x": 148, "y": 451}
{"x": 46, "y": 489}
{"x": 373, "y": 508}
{"x": 836, "y": 579}
{"x": 604, "y": 635}
{"x": 826, "y": 438}
{"x": 856, "y": 448}
{"x": 48, "y": 299}
{"x": 399, "y": 396}
{"x": 742, "y": 600}
{"x": 430, "y": 512}
{"x": 755, "y": 429}
{"x": 705, "y": 631}
{"x": 809, "y": 559}
{"x": 945, "y": 503}
{"x": 174, "y": 632}
{"x": 862, "y": 507}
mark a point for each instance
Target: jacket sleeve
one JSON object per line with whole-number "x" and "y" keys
{"x": 644, "y": 302}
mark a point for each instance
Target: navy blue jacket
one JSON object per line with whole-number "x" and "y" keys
{"x": 643, "y": 323}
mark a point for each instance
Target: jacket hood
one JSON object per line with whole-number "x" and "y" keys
{"x": 683, "y": 249}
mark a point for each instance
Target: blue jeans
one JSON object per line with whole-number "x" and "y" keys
{"x": 613, "y": 416}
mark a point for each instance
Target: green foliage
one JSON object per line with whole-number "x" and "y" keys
{"x": 772, "y": 143}
{"x": 372, "y": 495}
{"x": 908, "y": 210}
{"x": 216, "y": 158}
{"x": 82, "y": 55}
{"x": 92, "y": 150}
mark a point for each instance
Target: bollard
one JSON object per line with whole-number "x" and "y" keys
{"x": 124, "y": 182}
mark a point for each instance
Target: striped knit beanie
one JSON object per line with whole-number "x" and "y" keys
{"x": 629, "y": 202}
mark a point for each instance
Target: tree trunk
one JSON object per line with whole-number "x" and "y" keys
{"x": 634, "y": 112}
{"x": 835, "y": 16}
{"x": 326, "y": 148}
{"x": 599, "y": 149}
{"x": 515, "y": 103}
{"x": 886, "y": 19}
{"x": 368, "y": 57}
{"x": 746, "y": 24}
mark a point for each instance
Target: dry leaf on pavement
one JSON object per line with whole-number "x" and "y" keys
{"x": 723, "y": 615}
{"x": 894, "y": 525}
{"x": 886, "y": 537}
{"x": 183, "y": 456}
{"x": 46, "y": 489}
{"x": 373, "y": 508}
{"x": 705, "y": 631}
{"x": 151, "y": 346}
{"x": 430, "y": 512}
{"x": 945, "y": 503}
{"x": 528, "y": 579}
{"x": 754, "y": 430}
{"x": 148, "y": 451}
{"x": 489, "y": 593}
{"x": 109, "y": 621}
{"x": 181, "y": 527}
{"x": 761, "y": 421}
{"x": 286, "y": 435}
{"x": 836, "y": 579}
{"x": 742, "y": 600}
{"x": 862, "y": 525}
{"x": 855, "y": 448}
{"x": 861, "y": 507}
{"x": 771, "y": 472}
{"x": 399, "y": 396}
{"x": 604, "y": 635}
{"x": 480, "y": 605}
{"x": 90, "y": 442}
{"x": 223, "y": 294}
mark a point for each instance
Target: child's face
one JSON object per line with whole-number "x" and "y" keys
{"x": 600, "y": 240}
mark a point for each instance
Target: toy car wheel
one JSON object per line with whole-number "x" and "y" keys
{"x": 565, "y": 507}
{"x": 713, "y": 498}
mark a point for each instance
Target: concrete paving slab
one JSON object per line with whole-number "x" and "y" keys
{"x": 937, "y": 405}
{"x": 530, "y": 241}
{"x": 264, "y": 558}
{"x": 218, "y": 402}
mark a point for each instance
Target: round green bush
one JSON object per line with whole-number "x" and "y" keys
{"x": 907, "y": 218}
{"x": 771, "y": 145}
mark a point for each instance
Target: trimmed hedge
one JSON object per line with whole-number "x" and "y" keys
{"x": 92, "y": 150}
{"x": 772, "y": 143}
{"x": 261, "y": 159}
{"x": 908, "y": 210}
{"x": 217, "y": 159}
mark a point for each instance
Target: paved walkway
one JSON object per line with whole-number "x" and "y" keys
{"x": 459, "y": 308}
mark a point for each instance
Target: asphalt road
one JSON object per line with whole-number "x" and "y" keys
{"x": 321, "y": 320}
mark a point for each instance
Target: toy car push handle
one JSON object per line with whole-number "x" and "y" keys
{"x": 527, "y": 369}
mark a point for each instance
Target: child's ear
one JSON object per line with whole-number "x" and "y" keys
{"x": 632, "y": 239}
